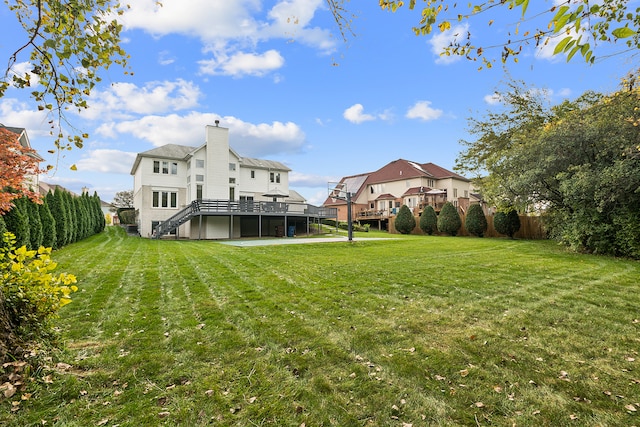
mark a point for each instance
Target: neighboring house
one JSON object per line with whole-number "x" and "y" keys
{"x": 211, "y": 192}
{"x": 375, "y": 196}
{"x": 32, "y": 180}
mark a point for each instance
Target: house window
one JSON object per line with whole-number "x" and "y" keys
{"x": 165, "y": 199}
{"x": 199, "y": 163}
{"x": 372, "y": 205}
{"x": 466, "y": 193}
{"x": 232, "y": 180}
{"x": 274, "y": 177}
{"x": 232, "y": 193}
{"x": 455, "y": 192}
{"x": 174, "y": 168}
{"x": 199, "y": 191}
{"x": 165, "y": 168}
{"x": 372, "y": 190}
{"x": 200, "y": 178}
{"x": 232, "y": 166}
{"x": 188, "y": 178}
{"x": 253, "y": 174}
{"x": 189, "y": 165}
{"x": 156, "y": 166}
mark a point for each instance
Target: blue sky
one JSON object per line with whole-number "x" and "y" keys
{"x": 278, "y": 74}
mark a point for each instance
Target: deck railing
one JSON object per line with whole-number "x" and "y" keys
{"x": 204, "y": 207}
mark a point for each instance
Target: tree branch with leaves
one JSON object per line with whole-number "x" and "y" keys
{"x": 68, "y": 45}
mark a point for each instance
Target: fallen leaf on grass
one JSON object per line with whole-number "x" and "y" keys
{"x": 200, "y": 326}
{"x": 479, "y": 405}
{"x": 536, "y": 412}
{"x": 103, "y": 421}
{"x": 573, "y": 417}
{"x": 164, "y": 414}
{"x": 464, "y": 372}
{"x": 497, "y": 389}
{"x": 630, "y": 408}
{"x": 8, "y": 390}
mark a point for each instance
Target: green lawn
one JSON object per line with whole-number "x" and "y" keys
{"x": 417, "y": 331}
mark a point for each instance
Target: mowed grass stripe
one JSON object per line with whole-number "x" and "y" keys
{"x": 421, "y": 330}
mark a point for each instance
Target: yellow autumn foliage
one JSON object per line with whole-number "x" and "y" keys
{"x": 32, "y": 292}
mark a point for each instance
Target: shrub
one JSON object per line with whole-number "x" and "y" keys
{"x": 429, "y": 220}
{"x": 17, "y": 222}
{"x": 48, "y": 226}
{"x": 475, "y": 222}
{"x": 35, "y": 223}
{"x": 507, "y": 223}
{"x": 449, "y": 220}
{"x": 32, "y": 293}
{"x": 405, "y": 221}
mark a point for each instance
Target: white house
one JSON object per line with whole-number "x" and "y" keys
{"x": 212, "y": 192}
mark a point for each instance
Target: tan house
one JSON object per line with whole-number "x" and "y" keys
{"x": 376, "y": 196}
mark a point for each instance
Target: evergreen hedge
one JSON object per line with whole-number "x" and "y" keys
{"x": 429, "y": 220}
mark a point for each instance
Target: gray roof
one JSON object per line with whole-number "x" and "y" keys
{"x": 169, "y": 151}
{"x": 263, "y": 164}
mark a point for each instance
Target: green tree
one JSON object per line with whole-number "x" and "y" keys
{"x": 72, "y": 216}
{"x": 475, "y": 221}
{"x": 17, "y": 221}
{"x": 449, "y": 221}
{"x": 576, "y": 26}
{"x": 428, "y": 220}
{"x": 97, "y": 209}
{"x": 48, "y": 225}
{"x": 3, "y": 229}
{"x": 68, "y": 44}
{"x": 507, "y": 222}
{"x": 57, "y": 206}
{"x": 405, "y": 221}
{"x": 122, "y": 199}
{"x": 35, "y": 223}
{"x": 578, "y": 162}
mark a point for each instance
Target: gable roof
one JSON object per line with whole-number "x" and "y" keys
{"x": 396, "y": 170}
{"x": 263, "y": 164}
{"x": 23, "y": 138}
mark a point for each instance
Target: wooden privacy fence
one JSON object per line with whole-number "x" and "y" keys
{"x": 531, "y": 227}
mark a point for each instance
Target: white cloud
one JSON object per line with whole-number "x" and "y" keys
{"x": 251, "y": 140}
{"x": 107, "y": 161}
{"x": 20, "y": 114}
{"x": 422, "y": 110}
{"x": 309, "y": 180}
{"x": 355, "y": 114}
{"x": 493, "y": 99}
{"x": 123, "y": 99}
{"x": 443, "y": 39}
{"x": 231, "y": 31}
{"x": 240, "y": 64}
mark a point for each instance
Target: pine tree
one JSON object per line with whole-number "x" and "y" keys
{"x": 48, "y": 225}
{"x": 35, "y": 223}
{"x": 475, "y": 222}
{"x": 507, "y": 223}
{"x": 429, "y": 220}
{"x": 17, "y": 222}
{"x": 449, "y": 221}
{"x": 405, "y": 221}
